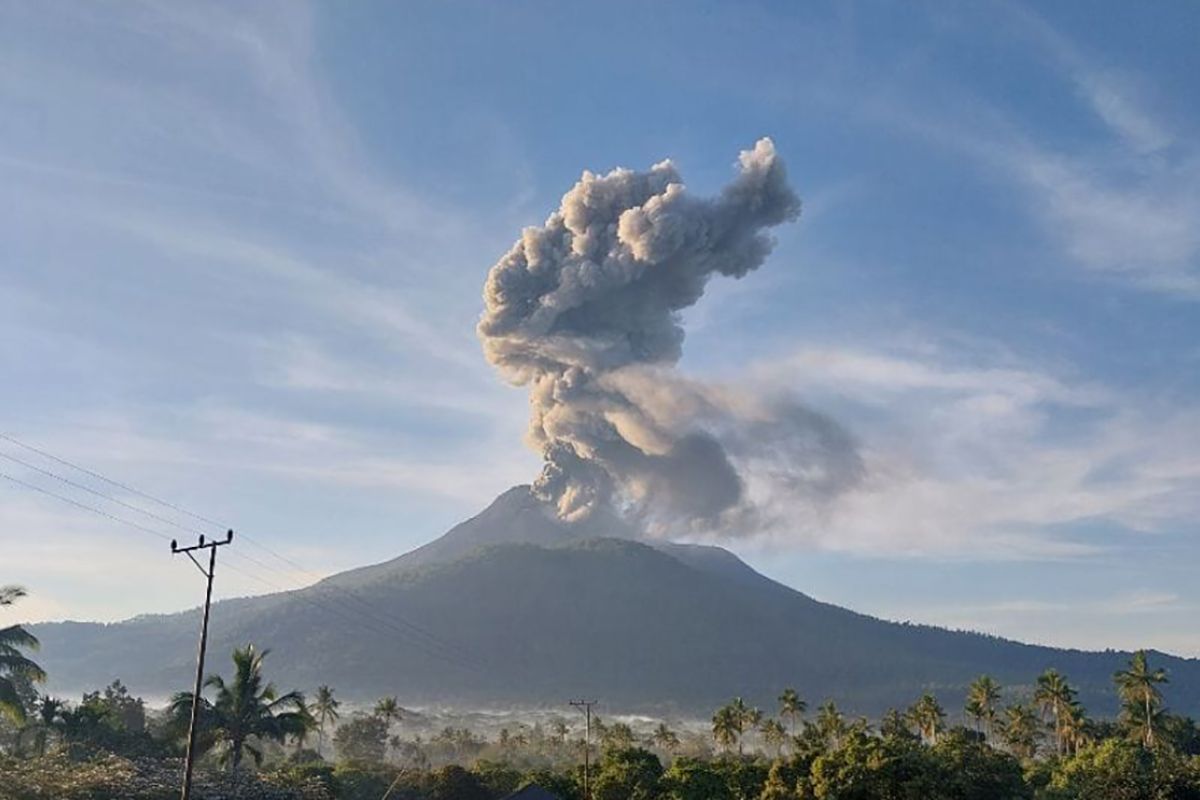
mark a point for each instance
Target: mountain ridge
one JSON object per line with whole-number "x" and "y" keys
{"x": 510, "y": 609}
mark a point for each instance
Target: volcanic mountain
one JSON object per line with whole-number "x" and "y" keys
{"x": 515, "y": 608}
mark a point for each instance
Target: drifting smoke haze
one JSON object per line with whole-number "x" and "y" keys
{"x": 585, "y": 312}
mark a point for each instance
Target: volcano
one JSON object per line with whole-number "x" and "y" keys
{"x": 514, "y": 608}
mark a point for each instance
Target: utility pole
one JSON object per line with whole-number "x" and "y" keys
{"x": 586, "y": 707}
{"x": 211, "y": 547}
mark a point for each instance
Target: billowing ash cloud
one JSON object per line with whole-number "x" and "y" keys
{"x": 585, "y": 311}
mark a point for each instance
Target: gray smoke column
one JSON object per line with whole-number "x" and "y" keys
{"x": 585, "y": 312}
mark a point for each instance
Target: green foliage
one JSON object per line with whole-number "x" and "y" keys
{"x": 564, "y": 786}
{"x": 1046, "y": 749}
{"x": 1022, "y": 730}
{"x": 967, "y": 769}
{"x": 791, "y": 707}
{"x": 17, "y": 672}
{"x": 1141, "y": 698}
{"x": 107, "y": 777}
{"x": 362, "y": 739}
{"x": 928, "y": 717}
{"x": 693, "y": 779}
{"x": 357, "y": 780}
{"x": 1114, "y": 770}
{"x": 452, "y": 782}
{"x": 983, "y": 703}
{"x": 246, "y": 712}
{"x": 864, "y": 767}
{"x": 324, "y": 710}
{"x": 628, "y": 774}
{"x": 499, "y": 779}
{"x": 617, "y": 736}
{"x": 781, "y": 782}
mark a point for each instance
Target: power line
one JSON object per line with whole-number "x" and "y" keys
{"x": 416, "y": 629}
{"x": 84, "y": 506}
{"x": 95, "y": 493}
{"x": 6, "y": 437}
{"x": 408, "y": 630}
{"x": 298, "y": 593}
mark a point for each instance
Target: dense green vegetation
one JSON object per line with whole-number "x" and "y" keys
{"x": 257, "y": 742}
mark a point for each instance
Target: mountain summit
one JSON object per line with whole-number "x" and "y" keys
{"x": 514, "y": 607}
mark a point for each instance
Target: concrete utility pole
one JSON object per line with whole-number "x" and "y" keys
{"x": 211, "y": 547}
{"x": 586, "y": 707}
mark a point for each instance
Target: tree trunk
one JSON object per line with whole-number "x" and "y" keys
{"x": 1149, "y": 727}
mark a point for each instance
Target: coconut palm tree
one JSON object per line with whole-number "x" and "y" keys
{"x": 1073, "y": 728}
{"x": 246, "y": 710}
{"x": 831, "y": 724}
{"x": 664, "y": 738}
{"x": 561, "y": 730}
{"x": 743, "y": 718}
{"x": 927, "y": 715}
{"x": 388, "y": 710}
{"x": 1054, "y": 697}
{"x": 15, "y": 669}
{"x": 1022, "y": 729}
{"x": 49, "y": 718}
{"x": 751, "y": 720}
{"x": 792, "y": 707}
{"x": 726, "y": 727}
{"x": 774, "y": 735}
{"x": 983, "y": 697}
{"x": 324, "y": 710}
{"x": 1138, "y": 687}
{"x": 894, "y": 725}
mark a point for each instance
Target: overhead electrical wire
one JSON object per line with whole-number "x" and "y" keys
{"x": 339, "y": 603}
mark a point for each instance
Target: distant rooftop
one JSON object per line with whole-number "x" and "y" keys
{"x": 532, "y": 792}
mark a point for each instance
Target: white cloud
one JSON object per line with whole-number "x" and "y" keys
{"x": 1122, "y": 206}
{"x": 988, "y": 462}
{"x": 1110, "y": 93}
{"x": 1139, "y": 228}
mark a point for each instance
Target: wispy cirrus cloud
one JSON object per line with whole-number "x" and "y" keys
{"x": 978, "y": 457}
{"x": 1121, "y": 205}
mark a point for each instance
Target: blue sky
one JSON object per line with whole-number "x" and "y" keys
{"x": 242, "y": 248}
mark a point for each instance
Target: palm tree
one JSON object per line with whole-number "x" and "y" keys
{"x": 562, "y": 730}
{"x": 49, "y": 717}
{"x": 388, "y": 710}
{"x": 927, "y": 715}
{"x": 15, "y": 669}
{"x": 774, "y": 734}
{"x": 617, "y": 736}
{"x": 751, "y": 719}
{"x": 1022, "y": 728}
{"x": 726, "y": 727}
{"x": 246, "y": 710}
{"x": 741, "y": 716}
{"x": 982, "y": 699}
{"x": 831, "y": 724}
{"x": 664, "y": 738}
{"x": 1073, "y": 728}
{"x": 1138, "y": 687}
{"x": 1054, "y": 697}
{"x": 894, "y": 725}
{"x": 792, "y": 707}
{"x": 325, "y": 710}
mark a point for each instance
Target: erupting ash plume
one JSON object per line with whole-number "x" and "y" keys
{"x": 585, "y": 311}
